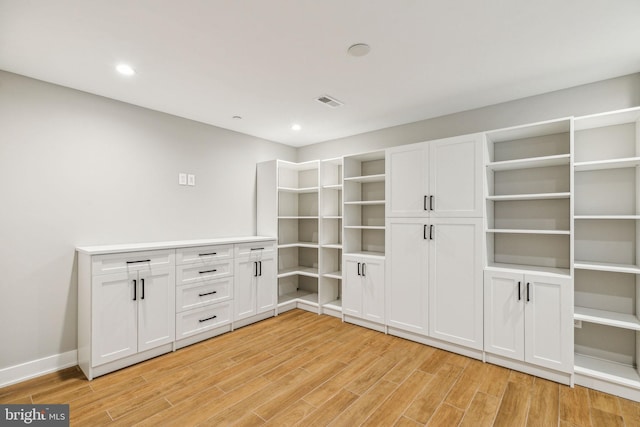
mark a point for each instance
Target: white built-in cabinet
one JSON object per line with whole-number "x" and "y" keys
{"x": 526, "y": 318}
{"x": 364, "y": 287}
{"x": 607, "y": 252}
{"x": 441, "y": 178}
{"x": 255, "y": 278}
{"x": 435, "y": 240}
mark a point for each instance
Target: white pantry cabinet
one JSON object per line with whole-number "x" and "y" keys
{"x": 434, "y": 278}
{"x": 440, "y": 178}
{"x": 529, "y": 318}
{"x": 255, "y": 280}
{"x": 363, "y": 289}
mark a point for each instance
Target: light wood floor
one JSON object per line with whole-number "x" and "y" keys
{"x": 301, "y": 368}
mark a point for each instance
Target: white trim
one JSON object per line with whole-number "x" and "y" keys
{"x": 36, "y": 368}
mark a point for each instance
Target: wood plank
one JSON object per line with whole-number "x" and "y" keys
{"x": 330, "y": 409}
{"x": 293, "y": 415}
{"x": 604, "y": 402}
{"x": 495, "y": 381}
{"x": 514, "y": 407}
{"x": 406, "y": 422}
{"x": 432, "y": 395}
{"x": 630, "y": 411}
{"x": 574, "y": 405}
{"x": 545, "y": 404}
{"x": 482, "y": 411}
{"x": 603, "y": 418}
{"x": 141, "y": 413}
{"x": 446, "y": 415}
{"x": 361, "y": 409}
{"x": 371, "y": 376}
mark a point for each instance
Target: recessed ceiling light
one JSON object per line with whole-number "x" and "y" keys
{"x": 296, "y": 126}
{"x": 125, "y": 69}
{"x": 358, "y": 49}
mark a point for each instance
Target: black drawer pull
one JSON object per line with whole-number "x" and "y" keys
{"x": 208, "y": 271}
{"x": 257, "y": 249}
{"x": 208, "y": 318}
{"x": 142, "y": 282}
{"x": 212, "y": 253}
{"x": 135, "y": 290}
{"x": 208, "y": 293}
{"x": 135, "y": 262}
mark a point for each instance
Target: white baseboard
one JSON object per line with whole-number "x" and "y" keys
{"x": 36, "y": 368}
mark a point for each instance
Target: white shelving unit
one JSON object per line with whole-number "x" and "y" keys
{"x": 607, "y": 252}
{"x": 330, "y": 285}
{"x": 364, "y": 204}
{"x": 528, "y": 198}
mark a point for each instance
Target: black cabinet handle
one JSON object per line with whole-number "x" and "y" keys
{"x": 135, "y": 262}
{"x": 208, "y": 271}
{"x": 424, "y": 203}
{"x": 519, "y": 294}
{"x": 208, "y": 293}
{"x": 211, "y": 253}
{"x": 528, "y": 299}
{"x": 424, "y": 232}
{"x": 260, "y": 262}
{"x": 431, "y": 232}
{"x": 255, "y": 269}
{"x": 359, "y": 270}
{"x": 208, "y": 318}
{"x": 135, "y": 290}
{"x": 257, "y": 249}
{"x": 363, "y": 269}
{"x": 142, "y": 283}
{"x": 430, "y": 203}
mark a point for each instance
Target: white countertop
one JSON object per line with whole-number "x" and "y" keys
{"x": 134, "y": 247}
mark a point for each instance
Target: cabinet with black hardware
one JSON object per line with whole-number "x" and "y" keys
{"x": 528, "y": 318}
{"x": 255, "y": 281}
{"x": 363, "y": 290}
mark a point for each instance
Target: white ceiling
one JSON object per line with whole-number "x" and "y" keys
{"x": 267, "y": 60}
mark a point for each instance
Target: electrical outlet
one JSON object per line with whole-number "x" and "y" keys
{"x": 191, "y": 179}
{"x": 577, "y": 324}
{"x": 182, "y": 178}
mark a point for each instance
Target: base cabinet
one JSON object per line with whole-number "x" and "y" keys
{"x": 529, "y": 318}
{"x": 363, "y": 288}
{"x": 255, "y": 281}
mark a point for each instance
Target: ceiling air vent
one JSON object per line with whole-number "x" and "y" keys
{"x": 329, "y": 101}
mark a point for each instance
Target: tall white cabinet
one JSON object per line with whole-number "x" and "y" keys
{"x": 528, "y": 273}
{"x": 607, "y": 252}
{"x": 434, "y": 243}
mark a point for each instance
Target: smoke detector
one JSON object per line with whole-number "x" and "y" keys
{"x": 329, "y": 101}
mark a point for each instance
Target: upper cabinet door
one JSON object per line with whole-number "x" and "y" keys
{"x": 455, "y": 177}
{"x": 407, "y": 186}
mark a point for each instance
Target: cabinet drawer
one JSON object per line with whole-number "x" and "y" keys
{"x": 265, "y": 249}
{"x": 131, "y": 261}
{"x": 203, "y": 254}
{"x": 203, "y": 293}
{"x": 202, "y": 319}
{"x": 192, "y": 273}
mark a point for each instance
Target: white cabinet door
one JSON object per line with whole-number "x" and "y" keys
{"x": 548, "y": 322}
{"x": 407, "y": 252}
{"x": 267, "y": 285}
{"x": 156, "y": 308}
{"x": 245, "y": 286}
{"x": 455, "y": 281}
{"x": 114, "y": 329}
{"x": 372, "y": 275}
{"x": 352, "y": 287}
{"x": 407, "y": 185}
{"x": 504, "y": 314}
{"x": 455, "y": 176}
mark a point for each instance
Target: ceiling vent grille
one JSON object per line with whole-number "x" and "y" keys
{"x": 329, "y": 101}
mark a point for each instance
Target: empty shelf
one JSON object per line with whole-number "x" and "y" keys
{"x": 366, "y": 178}
{"x": 298, "y": 270}
{"x": 299, "y": 245}
{"x": 627, "y": 162}
{"x": 524, "y": 268}
{"x": 332, "y": 246}
{"x": 532, "y": 162}
{"x": 540, "y": 196}
{"x": 366, "y": 227}
{"x": 607, "y": 216}
{"x": 606, "y": 266}
{"x": 365, "y": 202}
{"x": 605, "y": 370}
{"x": 298, "y": 190}
{"x": 527, "y": 231}
{"x": 609, "y": 318}
{"x": 334, "y": 275}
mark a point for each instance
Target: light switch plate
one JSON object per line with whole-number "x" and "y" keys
{"x": 191, "y": 180}
{"x": 182, "y": 178}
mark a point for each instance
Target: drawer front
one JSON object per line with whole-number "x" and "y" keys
{"x": 257, "y": 249}
{"x": 201, "y": 294}
{"x": 131, "y": 261}
{"x": 202, "y": 319}
{"x": 192, "y": 273}
{"x": 203, "y": 254}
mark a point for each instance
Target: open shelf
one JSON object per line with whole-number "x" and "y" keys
{"x": 540, "y": 196}
{"x": 367, "y": 253}
{"x": 528, "y": 163}
{"x": 365, "y": 202}
{"x": 298, "y": 190}
{"x": 613, "y": 372}
{"x": 307, "y": 297}
{"x": 525, "y": 231}
{"x": 366, "y": 178}
{"x": 365, "y": 227}
{"x": 524, "y": 268}
{"x": 334, "y": 275}
{"x": 609, "y": 318}
{"x": 298, "y": 270}
{"x": 299, "y": 245}
{"x": 332, "y": 187}
{"x": 621, "y": 217}
{"x": 298, "y": 217}
{"x": 606, "y": 266}
{"x": 334, "y": 305}
{"x": 332, "y": 245}
{"x": 629, "y": 162}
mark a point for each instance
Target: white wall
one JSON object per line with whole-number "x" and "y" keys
{"x": 607, "y": 95}
{"x": 78, "y": 169}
